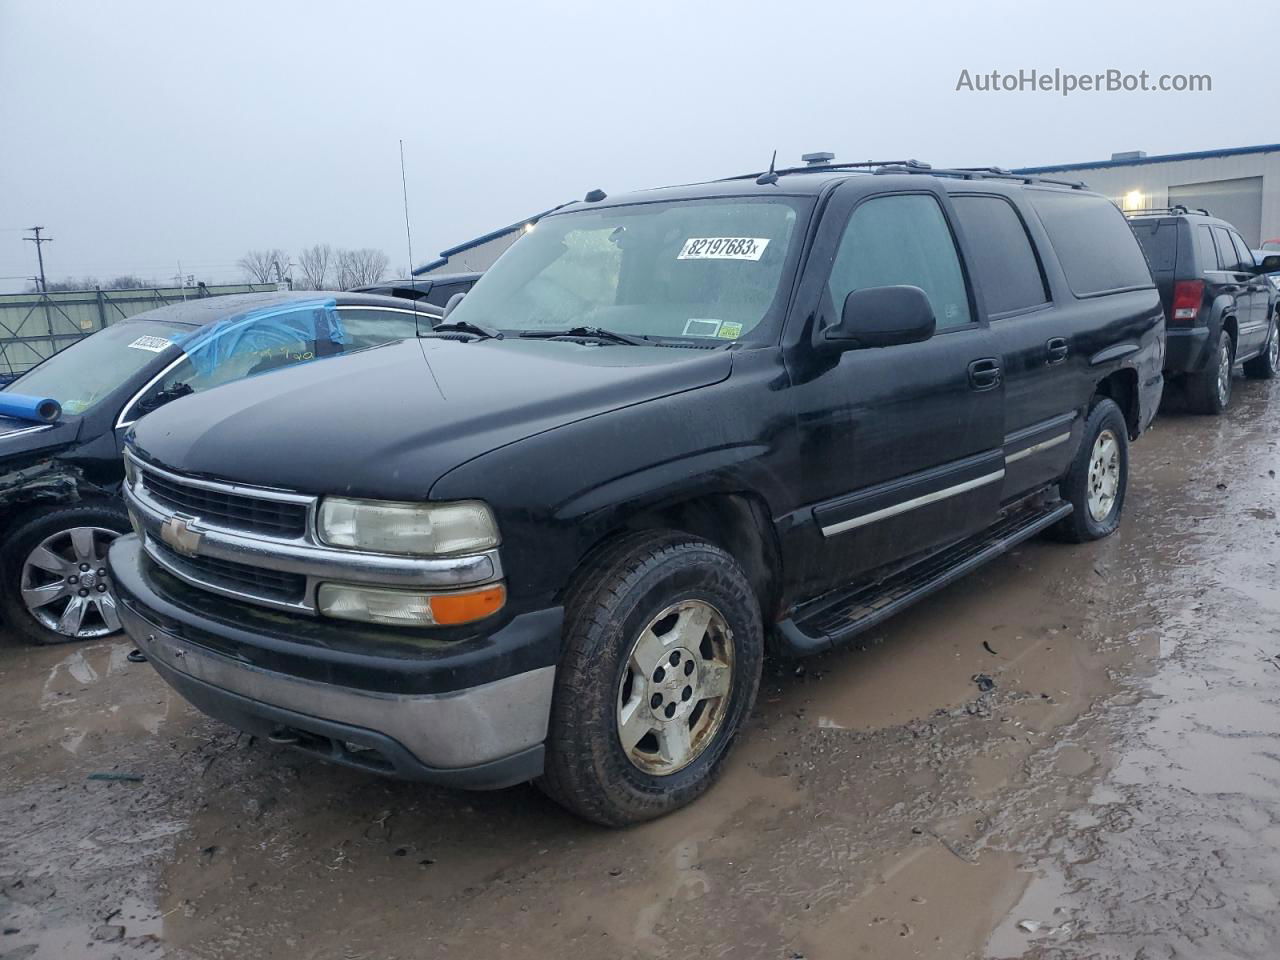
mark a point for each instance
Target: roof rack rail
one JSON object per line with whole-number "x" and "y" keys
{"x": 919, "y": 167}
{"x": 820, "y": 166}
{"x": 1173, "y": 210}
{"x": 993, "y": 173}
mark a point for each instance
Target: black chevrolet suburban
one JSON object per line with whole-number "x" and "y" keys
{"x": 550, "y": 539}
{"x": 1219, "y": 305}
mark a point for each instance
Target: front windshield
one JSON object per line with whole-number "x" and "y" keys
{"x": 707, "y": 269}
{"x": 85, "y": 372}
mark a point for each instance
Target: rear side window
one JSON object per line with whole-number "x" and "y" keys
{"x": 1243, "y": 253}
{"x": 1227, "y": 256}
{"x": 1159, "y": 241}
{"x": 1001, "y": 254}
{"x": 902, "y": 240}
{"x": 1092, "y": 239}
{"x": 1206, "y": 253}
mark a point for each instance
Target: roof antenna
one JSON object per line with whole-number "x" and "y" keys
{"x": 767, "y": 178}
{"x": 408, "y": 235}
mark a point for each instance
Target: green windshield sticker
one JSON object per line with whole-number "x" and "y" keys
{"x": 730, "y": 330}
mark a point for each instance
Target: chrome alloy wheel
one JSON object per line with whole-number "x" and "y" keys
{"x": 65, "y": 584}
{"x": 1273, "y": 347}
{"x": 1224, "y": 374}
{"x": 675, "y": 686}
{"x": 1104, "y": 475}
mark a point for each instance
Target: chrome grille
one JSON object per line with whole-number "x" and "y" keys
{"x": 231, "y": 577}
{"x": 232, "y": 510}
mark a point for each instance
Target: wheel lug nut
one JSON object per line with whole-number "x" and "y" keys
{"x": 655, "y": 701}
{"x": 102, "y": 588}
{"x": 84, "y": 566}
{"x": 73, "y": 579}
{"x": 688, "y": 667}
{"x": 84, "y": 592}
{"x": 102, "y": 571}
{"x": 658, "y": 675}
{"x": 675, "y": 658}
{"x": 686, "y": 693}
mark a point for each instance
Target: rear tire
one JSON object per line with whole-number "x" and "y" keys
{"x": 52, "y": 588}
{"x": 1096, "y": 482}
{"x": 662, "y": 658}
{"x": 1209, "y": 390}
{"x": 1266, "y": 364}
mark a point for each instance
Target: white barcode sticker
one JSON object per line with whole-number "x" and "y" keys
{"x": 723, "y": 248}
{"x": 154, "y": 344}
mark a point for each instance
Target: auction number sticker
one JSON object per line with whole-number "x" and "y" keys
{"x": 154, "y": 344}
{"x": 723, "y": 248}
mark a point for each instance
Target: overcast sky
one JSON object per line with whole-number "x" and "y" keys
{"x": 144, "y": 133}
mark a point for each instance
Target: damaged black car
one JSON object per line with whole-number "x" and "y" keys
{"x": 60, "y": 459}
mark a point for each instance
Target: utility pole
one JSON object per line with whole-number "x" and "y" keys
{"x": 37, "y": 240}
{"x": 44, "y": 286}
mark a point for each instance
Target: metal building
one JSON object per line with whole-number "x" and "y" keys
{"x": 1239, "y": 184}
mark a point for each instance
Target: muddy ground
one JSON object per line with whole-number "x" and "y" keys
{"x": 1115, "y": 795}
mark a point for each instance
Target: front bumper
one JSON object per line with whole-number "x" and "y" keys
{"x": 450, "y": 715}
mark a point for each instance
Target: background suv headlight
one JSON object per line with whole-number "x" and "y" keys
{"x": 420, "y": 529}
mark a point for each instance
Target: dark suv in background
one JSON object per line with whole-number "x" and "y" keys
{"x": 1219, "y": 306}
{"x": 550, "y": 538}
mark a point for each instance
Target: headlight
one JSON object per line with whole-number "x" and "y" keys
{"x": 419, "y": 529}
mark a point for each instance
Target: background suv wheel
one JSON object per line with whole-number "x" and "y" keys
{"x": 1265, "y": 365}
{"x": 1209, "y": 390}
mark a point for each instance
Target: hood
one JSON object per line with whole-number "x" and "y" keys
{"x": 387, "y": 422}
{"x": 22, "y": 437}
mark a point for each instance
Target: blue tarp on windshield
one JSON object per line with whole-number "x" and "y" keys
{"x": 262, "y": 330}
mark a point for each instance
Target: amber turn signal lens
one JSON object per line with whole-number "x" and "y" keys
{"x": 454, "y": 608}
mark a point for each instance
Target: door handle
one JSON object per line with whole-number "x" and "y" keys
{"x": 984, "y": 374}
{"x": 1057, "y": 349}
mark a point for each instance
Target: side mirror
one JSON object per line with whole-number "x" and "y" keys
{"x": 453, "y": 302}
{"x": 883, "y": 317}
{"x": 1270, "y": 264}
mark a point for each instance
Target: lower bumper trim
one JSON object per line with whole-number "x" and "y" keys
{"x": 348, "y": 745}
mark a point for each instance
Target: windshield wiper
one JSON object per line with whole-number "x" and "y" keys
{"x": 593, "y": 333}
{"x": 466, "y": 326}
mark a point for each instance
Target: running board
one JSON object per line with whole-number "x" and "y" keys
{"x": 838, "y": 617}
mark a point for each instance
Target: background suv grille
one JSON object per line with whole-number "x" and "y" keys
{"x": 235, "y": 577}
{"x": 228, "y": 509}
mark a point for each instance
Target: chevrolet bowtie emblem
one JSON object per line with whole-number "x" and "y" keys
{"x": 179, "y": 534}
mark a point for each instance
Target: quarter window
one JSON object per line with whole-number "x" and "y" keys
{"x": 1004, "y": 262}
{"x": 1097, "y": 250}
{"x": 902, "y": 240}
{"x": 1208, "y": 255}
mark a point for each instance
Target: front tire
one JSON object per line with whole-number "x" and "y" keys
{"x": 1209, "y": 390}
{"x": 54, "y": 583}
{"x": 663, "y": 650}
{"x": 1266, "y": 364}
{"x": 1098, "y": 478}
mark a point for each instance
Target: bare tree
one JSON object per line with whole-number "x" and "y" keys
{"x": 359, "y": 268}
{"x": 314, "y": 263}
{"x": 125, "y": 282}
{"x": 264, "y": 266}
{"x": 69, "y": 283}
